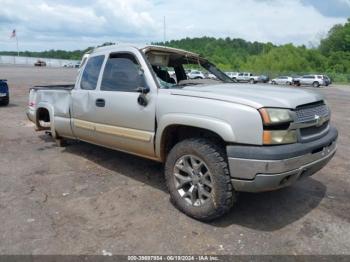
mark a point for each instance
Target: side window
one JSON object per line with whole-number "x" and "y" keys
{"x": 91, "y": 73}
{"x": 122, "y": 73}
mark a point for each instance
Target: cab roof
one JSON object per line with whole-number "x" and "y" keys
{"x": 148, "y": 48}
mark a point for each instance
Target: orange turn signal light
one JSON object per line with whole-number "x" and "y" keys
{"x": 265, "y": 116}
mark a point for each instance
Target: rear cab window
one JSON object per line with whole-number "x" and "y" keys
{"x": 91, "y": 73}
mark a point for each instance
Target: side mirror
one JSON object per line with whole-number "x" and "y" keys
{"x": 143, "y": 90}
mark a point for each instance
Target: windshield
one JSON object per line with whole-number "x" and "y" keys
{"x": 176, "y": 70}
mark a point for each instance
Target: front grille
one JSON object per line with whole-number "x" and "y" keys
{"x": 313, "y": 130}
{"x": 306, "y": 113}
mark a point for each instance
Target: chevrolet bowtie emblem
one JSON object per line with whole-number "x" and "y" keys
{"x": 319, "y": 120}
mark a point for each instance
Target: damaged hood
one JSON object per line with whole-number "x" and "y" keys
{"x": 256, "y": 96}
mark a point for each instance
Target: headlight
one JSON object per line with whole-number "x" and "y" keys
{"x": 273, "y": 116}
{"x": 276, "y": 122}
{"x": 275, "y": 137}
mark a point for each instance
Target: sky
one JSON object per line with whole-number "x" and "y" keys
{"x": 71, "y": 25}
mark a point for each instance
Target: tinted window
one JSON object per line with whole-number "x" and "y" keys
{"x": 122, "y": 73}
{"x": 91, "y": 73}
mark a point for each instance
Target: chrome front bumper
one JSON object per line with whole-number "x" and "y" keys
{"x": 264, "y": 173}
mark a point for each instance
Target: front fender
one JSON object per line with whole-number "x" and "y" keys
{"x": 221, "y": 128}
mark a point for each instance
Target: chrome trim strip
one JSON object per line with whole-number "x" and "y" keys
{"x": 316, "y": 122}
{"x": 135, "y": 134}
{"x": 124, "y": 132}
{"x": 84, "y": 124}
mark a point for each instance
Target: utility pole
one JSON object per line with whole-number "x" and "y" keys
{"x": 164, "y": 33}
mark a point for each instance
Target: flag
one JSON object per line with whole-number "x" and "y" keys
{"x": 13, "y": 33}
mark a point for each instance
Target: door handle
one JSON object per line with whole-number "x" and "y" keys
{"x": 100, "y": 102}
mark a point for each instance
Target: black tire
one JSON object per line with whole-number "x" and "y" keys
{"x": 234, "y": 80}
{"x": 5, "y": 102}
{"x": 252, "y": 81}
{"x": 316, "y": 84}
{"x": 274, "y": 83}
{"x": 222, "y": 194}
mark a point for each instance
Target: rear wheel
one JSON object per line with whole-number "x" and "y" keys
{"x": 252, "y": 81}
{"x": 198, "y": 179}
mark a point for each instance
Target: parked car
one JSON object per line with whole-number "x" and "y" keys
{"x": 328, "y": 80}
{"x": 215, "y": 139}
{"x": 40, "y": 63}
{"x": 210, "y": 76}
{"x": 195, "y": 74}
{"x": 282, "y": 80}
{"x": 68, "y": 65}
{"x": 263, "y": 79}
{"x": 312, "y": 80}
{"x": 72, "y": 65}
{"x": 247, "y": 77}
{"x": 232, "y": 75}
{"x": 4, "y": 93}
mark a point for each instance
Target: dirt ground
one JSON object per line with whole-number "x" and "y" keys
{"x": 85, "y": 199}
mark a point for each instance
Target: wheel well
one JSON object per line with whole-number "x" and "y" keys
{"x": 43, "y": 118}
{"x": 175, "y": 133}
{"x": 43, "y": 114}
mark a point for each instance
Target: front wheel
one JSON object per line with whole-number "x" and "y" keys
{"x": 198, "y": 179}
{"x": 316, "y": 84}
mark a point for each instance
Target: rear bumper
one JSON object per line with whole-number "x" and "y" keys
{"x": 261, "y": 168}
{"x": 31, "y": 114}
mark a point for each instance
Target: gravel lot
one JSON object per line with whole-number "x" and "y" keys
{"x": 85, "y": 199}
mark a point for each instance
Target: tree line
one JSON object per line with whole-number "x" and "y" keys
{"x": 331, "y": 57}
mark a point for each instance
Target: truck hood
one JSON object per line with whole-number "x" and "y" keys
{"x": 256, "y": 96}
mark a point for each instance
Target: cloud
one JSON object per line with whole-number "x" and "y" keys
{"x": 331, "y": 8}
{"x": 46, "y": 24}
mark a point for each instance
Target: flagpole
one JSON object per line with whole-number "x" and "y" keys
{"x": 17, "y": 45}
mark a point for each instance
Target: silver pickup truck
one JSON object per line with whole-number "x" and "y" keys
{"x": 215, "y": 137}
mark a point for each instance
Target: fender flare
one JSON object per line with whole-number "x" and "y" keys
{"x": 221, "y": 128}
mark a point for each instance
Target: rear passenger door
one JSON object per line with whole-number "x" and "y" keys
{"x": 83, "y": 104}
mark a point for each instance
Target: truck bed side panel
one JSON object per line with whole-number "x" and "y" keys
{"x": 58, "y": 102}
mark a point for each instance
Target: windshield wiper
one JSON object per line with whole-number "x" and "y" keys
{"x": 188, "y": 84}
